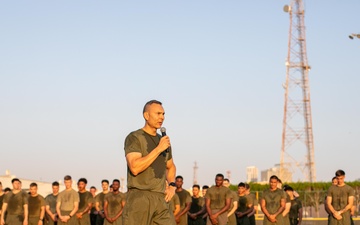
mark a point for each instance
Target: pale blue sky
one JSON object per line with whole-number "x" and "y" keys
{"x": 75, "y": 75}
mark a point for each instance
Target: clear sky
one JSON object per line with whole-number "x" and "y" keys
{"x": 74, "y": 76}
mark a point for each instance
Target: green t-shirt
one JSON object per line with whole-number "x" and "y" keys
{"x": 152, "y": 178}
{"x": 273, "y": 199}
{"x": 196, "y": 205}
{"x": 184, "y": 197}
{"x": 100, "y": 199}
{"x": 35, "y": 204}
{"x": 50, "y": 200}
{"x": 340, "y": 196}
{"x": 218, "y": 196}
{"x": 1, "y": 200}
{"x": 16, "y": 202}
{"x": 85, "y": 198}
{"x": 295, "y": 207}
{"x": 67, "y": 198}
{"x": 114, "y": 202}
{"x": 243, "y": 203}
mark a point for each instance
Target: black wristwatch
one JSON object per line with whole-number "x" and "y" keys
{"x": 172, "y": 184}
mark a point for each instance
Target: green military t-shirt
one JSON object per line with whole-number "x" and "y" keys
{"x": 184, "y": 197}
{"x": 243, "y": 203}
{"x": 16, "y": 202}
{"x": 35, "y": 204}
{"x": 273, "y": 203}
{"x": 114, "y": 202}
{"x": 254, "y": 200}
{"x": 295, "y": 207}
{"x": 1, "y": 200}
{"x": 85, "y": 198}
{"x": 340, "y": 197}
{"x": 152, "y": 178}
{"x": 218, "y": 196}
{"x": 50, "y": 201}
{"x": 67, "y": 198}
{"x": 100, "y": 199}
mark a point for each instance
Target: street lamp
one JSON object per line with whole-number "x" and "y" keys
{"x": 351, "y": 36}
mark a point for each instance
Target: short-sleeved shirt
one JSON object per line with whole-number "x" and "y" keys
{"x": 234, "y": 198}
{"x": 295, "y": 207}
{"x": 100, "y": 199}
{"x": 85, "y": 198}
{"x": 340, "y": 196}
{"x": 35, "y": 204}
{"x": 173, "y": 202}
{"x": 67, "y": 198}
{"x": 1, "y": 200}
{"x": 243, "y": 203}
{"x": 16, "y": 202}
{"x": 254, "y": 200}
{"x": 273, "y": 203}
{"x": 114, "y": 202}
{"x": 218, "y": 196}
{"x": 153, "y": 177}
{"x": 184, "y": 197}
{"x": 50, "y": 201}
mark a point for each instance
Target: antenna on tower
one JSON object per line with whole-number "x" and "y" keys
{"x": 297, "y": 130}
{"x": 195, "y": 181}
{"x": 228, "y": 175}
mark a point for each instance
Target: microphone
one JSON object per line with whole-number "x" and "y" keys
{"x": 163, "y": 133}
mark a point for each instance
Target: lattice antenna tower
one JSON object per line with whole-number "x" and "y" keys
{"x": 195, "y": 168}
{"x": 297, "y": 123}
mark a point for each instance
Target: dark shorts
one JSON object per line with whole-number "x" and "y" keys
{"x": 146, "y": 208}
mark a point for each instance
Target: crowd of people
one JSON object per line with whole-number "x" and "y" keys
{"x": 155, "y": 195}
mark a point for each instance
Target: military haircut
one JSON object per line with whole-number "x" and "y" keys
{"x": 82, "y": 180}
{"x": 274, "y": 177}
{"x": 205, "y": 187}
{"x": 242, "y": 184}
{"x": 116, "y": 180}
{"x": 55, "y": 183}
{"x": 33, "y": 185}
{"x": 247, "y": 186}
{"x": 220, "y": 175}
{"x": 150, "y": 103}
{"x": 196, "y": 186}
{"x": 67, "y": 177}
{"x": 179, "y": 177}
{"x": 105, "y": 181}
{"x": 15, "y": 179}
{"x": 339, "y": 173}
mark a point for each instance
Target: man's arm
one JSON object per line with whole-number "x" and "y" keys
{"x": 235, "y": 203}
{"x": 48, "y": 211}
{"x": 184, "y": 211}
{"x": 26, "y": 214}
{"x": 225, "y": 208}
{"x": 3, "y": 210}
{"x": 106, "y": 204}
{"x": 138, "y": 164}
{"x": 287, "y": 208}
{"x": 300, "y": 216}
{"x": 42, "y": 214}
{"x": 170, "y": 177}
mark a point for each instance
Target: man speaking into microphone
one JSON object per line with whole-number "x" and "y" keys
{"x": 149, "y": 166}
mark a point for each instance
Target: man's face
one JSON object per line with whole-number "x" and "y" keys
{"x": 273, "y": 184}
{"x": 93, "y": 191}
{"x": 179, "y": 182}
{"x": 16, "y": 185}
{"x": 105, "y": 186}
{"x": 219, "y": 181}
{"x": 226, "y": 183}
{"x": 241, "y": 190}
{"x": 33, "y": 191}
{"x": 115, "y": 186}
{"x": 68, "y": 183}
{"x": 195, "y": 191}
{"x": 247, "y": 191}
{"x": 154, "y": 115}
{"x": 81, "y": 186}
{"x": 204, "y": 191}
{"x": 55, "y": 189}
{"x": 340, "y": 180}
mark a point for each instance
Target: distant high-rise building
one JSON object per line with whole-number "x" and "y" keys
{"x": 266, "y": 174}
{"x": 251, "y": 174}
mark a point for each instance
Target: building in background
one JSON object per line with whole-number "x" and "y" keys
{"x": 251, "y": 174}
{"x": 266, "y": 174}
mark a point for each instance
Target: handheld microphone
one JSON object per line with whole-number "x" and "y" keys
{"x": 163, "y": 133}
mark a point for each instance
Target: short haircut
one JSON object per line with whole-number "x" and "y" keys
{"x": 205, "y": 187}
{"x": 179, "y": 177}
{"x": 106, "y": 181}
{"x": 93, "y": 187}
{"x": 288, "y": 188}
{"x": 196, "y": 186}
{"x": 150, "y": 103}
{"x": 220, "y": 175}
{"x": 116, "y": 180}
{"x": 247, "y": 186}
{"x": 82, "y": 180}
{"x": 7, "y": 189}
{"x": 67, "y": 177}
{"x": 15, "y": 179}
{"x": 241, "y": 184}
{"x": 340, "y": 173}
{"x": 55, "y": 183}
{"x": 226, "y": 179}
{"x": 33, "y": 185}
{"x": 274, "y": 177}
{"x": 334, "y": 178}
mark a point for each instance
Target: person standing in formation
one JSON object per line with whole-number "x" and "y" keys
{"x": 114, "y": 203}
{"x": 36, "y": 206}
{"x": 99, "y": 202}
{"x": 67, "y": 204}
{"x": 50, "y": 205}
{"x": 181, "y": 217}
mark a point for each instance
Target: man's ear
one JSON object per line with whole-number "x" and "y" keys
{"x": 146, "y": 116}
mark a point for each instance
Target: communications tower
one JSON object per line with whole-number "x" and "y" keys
{"x": 195, "y": 168}
{"x": 297, "y": 133}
